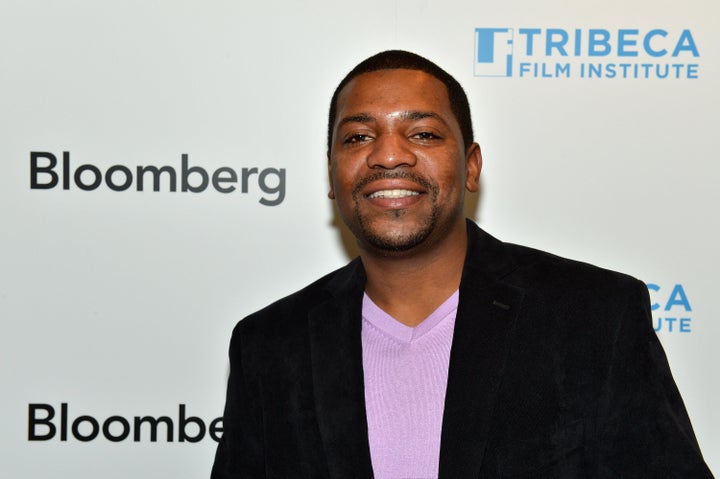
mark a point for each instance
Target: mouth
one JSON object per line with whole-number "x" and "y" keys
{"x": 393, "y": 190}
{"x": 394, "y": 194}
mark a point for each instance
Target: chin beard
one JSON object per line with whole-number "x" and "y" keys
{"x": 387, "y": 241}
{"x": 395, "y": 243}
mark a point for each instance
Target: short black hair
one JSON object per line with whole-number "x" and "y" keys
{"x": 403, "y": 60}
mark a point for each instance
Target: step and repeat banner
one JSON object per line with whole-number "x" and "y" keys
{"x": 163, "y": 174}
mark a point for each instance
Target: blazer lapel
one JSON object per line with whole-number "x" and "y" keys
{"x": 336, "y": 355}
{"x": 484, "y": 327}
{"x": 483, "y": 331}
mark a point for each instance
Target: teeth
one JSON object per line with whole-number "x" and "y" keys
{"x": 393, "y": 194}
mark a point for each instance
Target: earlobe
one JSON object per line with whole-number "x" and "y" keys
{"x": 331, "y": 193}
{"x": 473, "y": 165}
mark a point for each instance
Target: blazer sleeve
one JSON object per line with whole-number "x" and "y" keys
{"x": 240, "y": 451}
{"x": 643, "y": 429}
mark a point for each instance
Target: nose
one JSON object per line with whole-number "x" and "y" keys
{"x": 391, "y": 151}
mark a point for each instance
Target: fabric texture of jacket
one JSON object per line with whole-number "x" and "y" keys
{"x": 555, "y": 372}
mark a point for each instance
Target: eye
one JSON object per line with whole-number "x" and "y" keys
{"x": 425, "y": 136}
{"x": 357, "y": 138}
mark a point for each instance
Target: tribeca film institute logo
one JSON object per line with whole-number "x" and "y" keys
{"x": 586, "y": 53}
{"x": 671, "y": 309}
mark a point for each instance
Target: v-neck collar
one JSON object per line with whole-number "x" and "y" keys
{"x": 373, "y": 314}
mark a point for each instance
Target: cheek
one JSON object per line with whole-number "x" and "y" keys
{"x": 450, "y": 178}
{"x": 341, "y": 184}
{"x": 343, "y": 176}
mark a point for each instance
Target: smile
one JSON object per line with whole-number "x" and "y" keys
{"x": 393, "y": 194}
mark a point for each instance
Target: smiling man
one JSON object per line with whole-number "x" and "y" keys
{"x": 441, "y": 351}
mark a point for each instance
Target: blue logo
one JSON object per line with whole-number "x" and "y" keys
{"x": 493, "y": 52}
{"x": 596, "y": 53}
{"x": 671, "y": 309}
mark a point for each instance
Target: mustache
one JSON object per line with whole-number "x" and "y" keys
{"x": 394, "y": 175}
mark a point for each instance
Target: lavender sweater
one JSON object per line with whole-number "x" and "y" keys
{"x": 406, "y": 372}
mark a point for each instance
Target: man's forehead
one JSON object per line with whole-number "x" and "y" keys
{"x": 403, "y": 115}
{"x": 394, "y": 85}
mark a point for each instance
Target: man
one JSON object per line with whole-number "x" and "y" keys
{"x": 441, "y": 351}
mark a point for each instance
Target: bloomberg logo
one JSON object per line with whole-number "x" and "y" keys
{"x": 586, "y": 53}
{"x": 45, "y": 425}
{"x": 46, "y": 174}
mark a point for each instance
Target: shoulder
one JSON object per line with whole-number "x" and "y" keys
{"x": 291, "y": 311}
{"x": 579, "y": 299}
{"x": 532, "y": 268}
{"x": 550, "y": 282}
{"x": 542, "y": 268}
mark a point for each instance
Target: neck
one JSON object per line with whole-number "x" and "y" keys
{"x": 411, "y": 286}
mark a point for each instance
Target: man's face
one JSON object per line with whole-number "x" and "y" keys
{"x": 398, "y": 166}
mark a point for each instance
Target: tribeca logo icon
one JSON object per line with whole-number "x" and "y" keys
{"x": 493, "y": 52}
{"x": 595, "y": 53}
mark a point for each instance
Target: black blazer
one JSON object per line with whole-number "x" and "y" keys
{"x": 555, "y": 372}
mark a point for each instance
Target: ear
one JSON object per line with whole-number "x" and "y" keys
{"x": 331, "y": 193}
{"x": 473, "y": 165}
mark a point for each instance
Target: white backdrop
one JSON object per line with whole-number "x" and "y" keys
{"x": 120, "y": 303}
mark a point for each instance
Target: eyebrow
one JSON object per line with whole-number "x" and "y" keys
{"x": 420, "y": 115}
{"x": 359, "y": 118}
{"x": 410, "y": 115}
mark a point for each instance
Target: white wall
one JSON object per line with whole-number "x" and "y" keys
{"x": 122, "y": 302}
